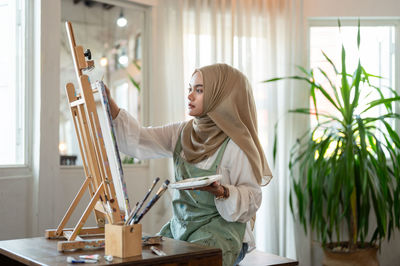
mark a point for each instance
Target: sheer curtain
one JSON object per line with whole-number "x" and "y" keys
{"x": 262, "y": 38}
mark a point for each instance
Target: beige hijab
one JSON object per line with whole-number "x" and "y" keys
{"x": 229, "y": 111}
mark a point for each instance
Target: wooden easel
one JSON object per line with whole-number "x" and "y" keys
{"x": 98, "y": 179}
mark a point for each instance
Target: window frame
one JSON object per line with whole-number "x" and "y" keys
{"x": 364, "y": 21}
{"x": 26, "y": 17}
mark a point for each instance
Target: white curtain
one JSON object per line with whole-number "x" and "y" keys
{"x": 262, "y": 38}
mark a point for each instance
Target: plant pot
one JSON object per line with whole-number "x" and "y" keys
{"x": 335, "y": 256}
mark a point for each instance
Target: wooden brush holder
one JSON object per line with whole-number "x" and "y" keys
{"x": 123, "y": 241}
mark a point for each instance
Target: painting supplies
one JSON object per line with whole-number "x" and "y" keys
{"x": 158, "y": 251}
{"x": 159, "y": 193}
{"x": 90, "y": 257}
{"x": 142, "y": 201}
{"x": 151, "y": 240}
{"x": 73, "y": 260}
{"x": 131, "y": 214}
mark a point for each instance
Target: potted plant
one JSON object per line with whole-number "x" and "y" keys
{"x": 347, "y": 181}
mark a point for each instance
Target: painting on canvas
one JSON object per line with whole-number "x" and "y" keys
{"x": 110, "y": 142}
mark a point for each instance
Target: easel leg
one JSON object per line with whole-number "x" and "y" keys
{"x": 100, "y": 217}
{"x": 86, "y": 214}
{"x": 72, "y": 208}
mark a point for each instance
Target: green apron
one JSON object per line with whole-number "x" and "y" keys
{"x": 195, "y": 216}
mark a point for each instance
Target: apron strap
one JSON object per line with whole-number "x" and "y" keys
{"x": 178, "y": 150}
{"x": 220, "y": 154}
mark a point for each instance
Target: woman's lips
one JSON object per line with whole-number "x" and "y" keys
{"x": 191, "y": 106}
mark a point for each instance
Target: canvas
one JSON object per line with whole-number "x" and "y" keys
{"x": 110, "y": 142}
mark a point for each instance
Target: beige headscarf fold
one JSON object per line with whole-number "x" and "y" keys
{"x": 229, "y": 110}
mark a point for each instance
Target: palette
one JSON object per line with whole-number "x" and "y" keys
{"x": 196, "y": 182}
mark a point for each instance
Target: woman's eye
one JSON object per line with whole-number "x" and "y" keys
{"x": 189, "y": 90}
{"x": 199, "y": 90}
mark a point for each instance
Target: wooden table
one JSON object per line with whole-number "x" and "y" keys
{"x": 42, "y": 251}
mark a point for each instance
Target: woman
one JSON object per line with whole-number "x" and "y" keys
{"x": 220, "y": 139}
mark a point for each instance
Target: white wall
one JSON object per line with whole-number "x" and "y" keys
{"x": 354, "y": 8}
{"x": 15, "y": 207}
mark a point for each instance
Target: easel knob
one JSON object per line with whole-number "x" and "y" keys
{"x": 88, "y": 54}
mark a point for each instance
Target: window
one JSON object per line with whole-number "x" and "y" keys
{"x": 377, "y": 54}
{"x": 114, "y": 36}
{"x": 13, "y": 82}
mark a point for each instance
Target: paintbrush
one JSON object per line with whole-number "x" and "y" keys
{"x": 160, "y": 191}
{"x": 132, "y": 215}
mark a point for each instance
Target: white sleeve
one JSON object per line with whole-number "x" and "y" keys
{"x": 144, "y": 142}
{"x": 245, "y": 193}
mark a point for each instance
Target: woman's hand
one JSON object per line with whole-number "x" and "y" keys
{"x": 214, "y": 188}
{"x": 113, "y": 106}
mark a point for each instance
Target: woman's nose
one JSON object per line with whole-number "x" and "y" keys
{"x": 190, "y": 96}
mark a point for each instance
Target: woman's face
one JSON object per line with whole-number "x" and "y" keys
{"x": 196, "y": 93}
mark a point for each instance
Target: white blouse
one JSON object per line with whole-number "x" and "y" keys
{"x": 156, "y": 142}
